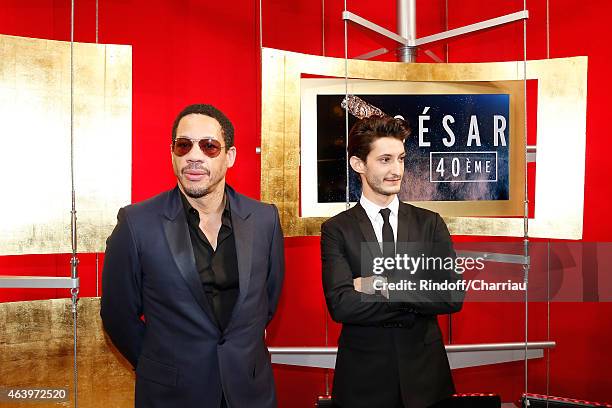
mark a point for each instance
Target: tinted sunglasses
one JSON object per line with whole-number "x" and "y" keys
{"x": 183, "y": 145}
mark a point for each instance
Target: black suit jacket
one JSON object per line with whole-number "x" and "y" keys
{"x": 181, "y": 357}
{"x": 377, "y": 365}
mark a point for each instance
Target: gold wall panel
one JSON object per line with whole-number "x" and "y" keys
{"x": 35, "y": 135}
{"x": 37, "y": 352}
{"x": 561, "y": 135}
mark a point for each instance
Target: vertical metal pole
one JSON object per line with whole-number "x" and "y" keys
{"x": 260, "y": 28}
{"x": 547, "y": 320}
{"x": 347, "y": 192}
{"x": 450, "y": 315}
{"x": 323, "y": 27}
{"x": 97, "y": 21}
{"x": 547, "y": 30}
{"x": 97, "y": 274}
{"x": 346, "y": 112}
{"x": 446, "y": 28}
{"x": 406, "y": 27}
{"x": 74, "y": 260}
{"x": 526, "y": 203}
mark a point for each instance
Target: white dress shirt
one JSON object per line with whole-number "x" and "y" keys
{"x": 373, "y": 211}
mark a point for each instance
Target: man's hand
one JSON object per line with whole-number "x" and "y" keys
{"x": 366, "y": 285}
{"x": 357, "y": 284}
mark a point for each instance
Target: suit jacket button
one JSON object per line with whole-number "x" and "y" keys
{"x": 221, "y": 341}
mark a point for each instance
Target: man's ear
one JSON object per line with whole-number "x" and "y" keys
{"x": 231, "y": 156}
{"x": 357, "y": 164}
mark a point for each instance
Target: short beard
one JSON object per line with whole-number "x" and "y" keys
{"x": 196, "y": 192}
{"x": 199, "y": 192}
{"x": 379, "y": 188}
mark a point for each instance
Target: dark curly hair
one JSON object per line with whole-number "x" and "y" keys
{"x": 368, "y": 130}
{"x": 201, "y": 109}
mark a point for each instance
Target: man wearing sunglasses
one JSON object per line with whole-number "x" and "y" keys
{"x": 192, "y": 277}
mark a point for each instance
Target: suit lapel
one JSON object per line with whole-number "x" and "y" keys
{"x": 406, "y": 241}
{"x": 403, "y": 223}
{"x": 367, "y": 230}
{"x": 179, "y": 242}
{"x": 243, "y": 229}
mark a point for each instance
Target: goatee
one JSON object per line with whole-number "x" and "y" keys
{"x": 196, "y": 192}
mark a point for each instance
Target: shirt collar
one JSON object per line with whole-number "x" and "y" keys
{"x": 373, "y": 209}
{"x": 192, "y": 212}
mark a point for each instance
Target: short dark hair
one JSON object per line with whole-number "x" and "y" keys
{"x": 368, "y": 130}
{"x": 227, "y": 129}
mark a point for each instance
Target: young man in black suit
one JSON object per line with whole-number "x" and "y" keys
{"x": 390, "y": 353}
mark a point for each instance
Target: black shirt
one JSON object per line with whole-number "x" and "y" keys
{"x": 218, "y": 269}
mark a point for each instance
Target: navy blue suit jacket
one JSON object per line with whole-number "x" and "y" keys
{"x": 181, "y": 357}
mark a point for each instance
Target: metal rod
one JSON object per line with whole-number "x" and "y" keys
{"x": 526, "y": 192}
{"x": 346, "y": 112}
{"x": 38, "y": 282}
{"x": 548, "y": 318}
{"x": 406, "y": 19}
{"x": 372, "y": 54}
{"x": 260, "y": 28}
{"x": 97, "y": 21}
{"x": 451, "y": 348}
{"x": 74, "y": 261}
{"x": 346, "y": 132}
{"x": 547, "y": 30}
{"x": 531, "y": 154}
{"x": 348, "y": 16}
{"x": 496, "y": 257}
{"x": 446, "y": 46}
{"x": 406, "y": 28}
{"x": 327, "y": 388}
{"x": 74, "y": 293}
{"x": 433, "y": 56}
{"x": 508, "y": 18}
{"x": 97, "y": 274}
{"x": 323, "y": 27}
{"x": 497, "y": 21}
{"x": 73, "y": 218}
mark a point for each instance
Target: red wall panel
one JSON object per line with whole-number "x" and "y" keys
{"x": 195, "y": 51}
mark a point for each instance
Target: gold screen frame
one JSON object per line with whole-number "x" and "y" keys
{"x": 311, "y": 87}
{"x": 561, "y": 135}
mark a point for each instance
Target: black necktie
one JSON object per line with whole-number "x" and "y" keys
{"x": 387, "y": 235}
